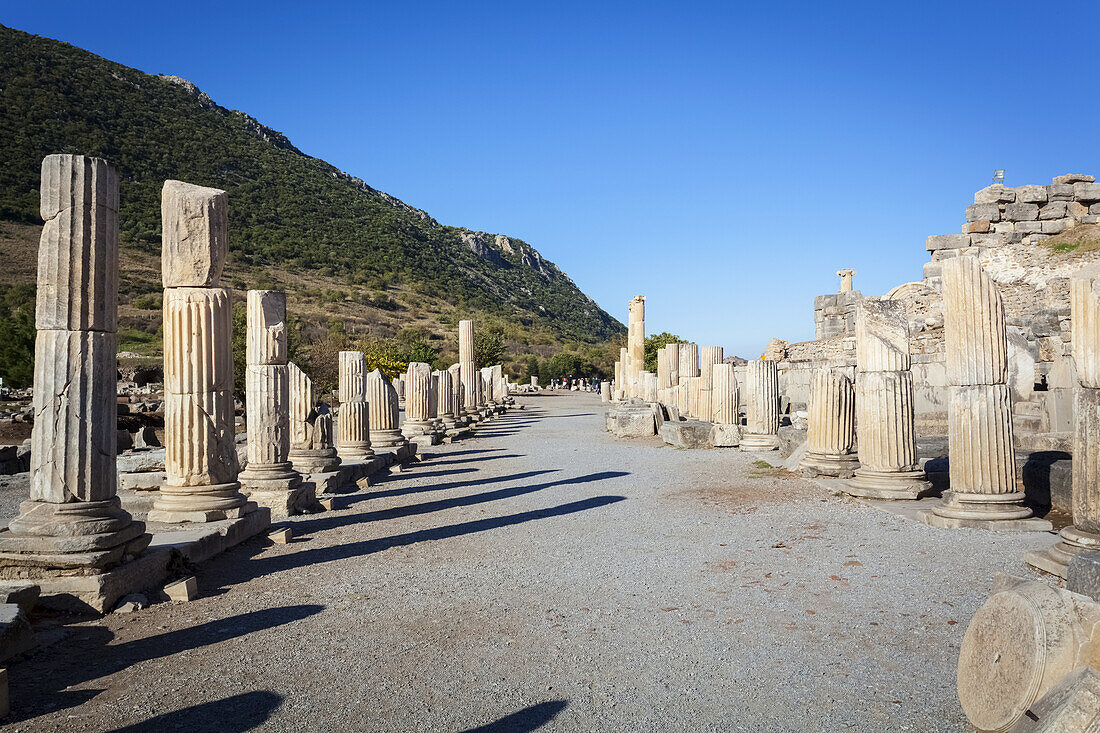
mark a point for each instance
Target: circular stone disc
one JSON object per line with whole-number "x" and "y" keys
{"x": 1001, "y": 661}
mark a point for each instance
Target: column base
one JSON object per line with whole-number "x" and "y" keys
{"x": 1004, "y": 512}
{"x": 354, "y": 452}
{"x": 213, "y": 503}
{"x": 269, "y": 477}
{"x": 286, "y": 502}
{"x": 1055, "y": 559}
{"x": 829, "y": 464}
{"x": 871, "y": 484}
{"x": 416, "y": 429}
{"x": 319, "y": 460}
{"x": 758, "y": 442}
{"x": 387, "y": 438}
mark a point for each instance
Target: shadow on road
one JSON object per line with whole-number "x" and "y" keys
{"x": 234, "y": 714}
{"x": 525, "y": 720}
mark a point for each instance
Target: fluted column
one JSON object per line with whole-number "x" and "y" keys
{"x": 353, "y": 420}
{"x": 831, "y": 433}
{"x": 673, "y": 356}
{"x": 983, "y": 489}
{"x": 200, "y": 447}
{"x": 418, "y": 390}
{"x": 695, "y": 390}
{"x": 725, "y": 399}
{"x": 761, "y": 406}
{"x": 446, "y": 404}
{"x": 663, "y": 372}
{"x": 635, "y": 343}
{"x": 605, "y": 391}
{"x": 710, "y": 356}
{"x": 458, "y": 390}
{"x": 468, "y": 366}
{"x": 649, "y": 384}
{"x": 73, "y": 518}
{"x": 624, "y": 373}
{"x": 399, "y": 388}
{"x": 618, "y": 378}
{"x": 385, "y": 428}
{"x": 884, "y": 405}
{"x": 311, "y": 447}
{"x": 268, "y": 479}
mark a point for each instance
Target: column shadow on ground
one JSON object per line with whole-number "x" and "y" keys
{"x": 433, "y": 462}
{"x": 234, "y": 714}
{"x": 44, "y": 678}
{"x": 528, "y": 719}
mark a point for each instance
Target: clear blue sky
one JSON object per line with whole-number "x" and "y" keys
{"x": 721, "y": 158}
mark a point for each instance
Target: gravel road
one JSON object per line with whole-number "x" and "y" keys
{"x": 546, "y": 573}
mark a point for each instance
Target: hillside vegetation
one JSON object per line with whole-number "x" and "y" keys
{"x": 354, "y": 261}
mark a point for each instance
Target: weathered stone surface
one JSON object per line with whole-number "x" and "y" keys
{"x": 1086, "y": 192}
{"x": 976, "y": 227}
{"x": 605, "y": 391}
{"x": 195, "y": 239}
{"x": 846, "y": 274}
{"x": 995, "y": 194}
{"x": 1071, "y": 178}
{"x": 1060, "y": 192}
{"x": 1085, "y": 324}
{"x": 1053, "y": 210}
{"x": 78, "y": 249}
{"x": 385, "y": 428}
{"x": 1021, "y": 212}
{"x": 986, "y": 212}
{"x": 635, "y": 344}
{"x": 16, "y": 635}
{"x": 946, "y": 241}
{"x": 686, "y": 434}
{"x": 725, "y": 395}
{"x": 353, "y": 418}
{"x": 198, "y": 329}
{"x": 312, "y": 448}
{"x": 632, "y": 421}
{"x": 199, "y": 438}
{"x": 267, "y": 417}
{"x": 1031, "y": 194}
{"x": 887, "y": 437}
{"x": 1056, "y": 227}
{"x": 974, "y": 333}
{"x": 445, "y": 404}
{"x": 689, "y": 361}
{"x": 882, "y": 335}
{"x": 467, "y": 367}
{"x": 831, "y": 432}
{"x": 1071, "y": 705}
{"x": 1029, "y": 227}
{"x": 725, "y": 435}
{"x": 761, "y": 406}
{"x": 265, "y": 340}
{"x": 1083, "y": 574}
{"x": 418, "y": 408}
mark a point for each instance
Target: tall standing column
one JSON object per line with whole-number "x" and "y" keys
{"x": 353, "y": 420}
{"x": 710, "y": 356}
{"x": 761, "y": 406}
{"x": 635, "y": 344}
{"x": 200, "y": 440}
{"x": 468, "y": 366}
{"x": 688, "y": 368}
{"x": 982, "y": 462}
{"x": 831, "y": 433}
{"x": 889, "y": 468}
{"x": 418, "y": 390}
{"x": 624, "y": 373}
{"x": 725, "y": 398}
{"x": 73, "y": 522}
{"x": 311, "y": 446}
{"x": 1084, "y": 533}
{"x": 385, "y": 428}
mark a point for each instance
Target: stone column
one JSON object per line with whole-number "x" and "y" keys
{"x": 845, "y": 276}
{"x": 433, "y": 403}
{"x": 618, "y": 375}
{"x": 649, "y": 383}
{"x": 624, "y": 373}
{"x": 446, "y": 404}
{"x": 459, "y": 392}
{"x": 268, "y": 478}
{"x": 884, "y": 405}
{"x": 353, "y": 421}
{"x": 831, "y": 433}
{"x": 418, "y": 383}
{"x": 311, "y": 447}
{"x": 399, "y": 387}
{"x": 385, "y": 429}
{"x": 635, "y": 343}
{"x": 73, "y": 522}
{"x": 468, "y": 366}
{"x": 490, "y": 388}
{"x": 500, "y": 390}
{"x": 979, "y": 418}
{"x": 725, "y": 398}
{"x": 711, "y": 355}
{"x": 688, "y": 362}
{"x": 673, "y": 351}
{"x": 605, "y": 391}
{"x": 761, "y": 406}
{"x": 695, "y": 389}
{"x": 200, "y": 445}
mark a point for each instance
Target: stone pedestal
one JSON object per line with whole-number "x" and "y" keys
{"x": 200, "y": 447}
{"x": 73, "y": 523}
{"x": 979, "y": 420}
{"x": 889, "y": 468}
{"x": 311, "y": 431}
{"x": 761, "y": 431}
{"x": 353, "y": 420}
{"x": 831, "y": 433}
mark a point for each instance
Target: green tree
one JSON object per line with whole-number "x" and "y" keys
{"x": 17, "y": 334}
{"x": 488, "y": 347}
{"x": 654, "y": 342}
{"x": 532, "y": 367}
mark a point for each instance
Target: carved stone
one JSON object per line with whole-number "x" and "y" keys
{"x": 831, "y": 433}
{"x": 418, "y": 386}
{"x": 353, "y": 419}
{"x": 725, "y": 399}
{"x": 710, "y": 356}
{"x": 467, "y": 366}
{"x": 311, "y": 446}
{"x": 385, "y": 428}
{"x": 761, "y": 406}
{"x": 195, "y": 235}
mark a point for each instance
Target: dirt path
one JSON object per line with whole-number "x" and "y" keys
{"x": 547, "y": 573}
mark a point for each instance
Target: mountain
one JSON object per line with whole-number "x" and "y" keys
{"x": 342, "y": 249}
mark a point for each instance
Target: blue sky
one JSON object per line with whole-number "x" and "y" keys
{"x": 723, "y": 159}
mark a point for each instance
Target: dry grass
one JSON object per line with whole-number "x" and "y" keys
{"x": 1078, "y": 239}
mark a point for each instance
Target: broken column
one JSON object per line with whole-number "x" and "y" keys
{"x": 385, "y": 429}
{"x": 725, "y": 398}
{"x": 983, "y": 492}
{"x": 710, "y": 356}
{"x": 200, "y": 445}
{"x": 458, "y": 390}
{"x": 468, "y": 366}
{"x": 353, "y": 421}
{"x": 605, "y": 391}
{"x": 845, "y": 276}
{"x": 418, "y": 388}
{"x": 311, "y": 432}
{"x": 761, "y": 406}
{"x": 268, "y": 478}
{"x": 884, "y": 405}
{"x": 649, "y": 386}
{"x": 831, "y": 432}
{"x": 635, "y": 343}
{"x": 73, "y": 522}
{"x": 446, "y": 403}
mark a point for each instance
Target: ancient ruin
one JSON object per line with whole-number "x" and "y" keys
{"x": 831, "y": 435}
{"x": 761, "y": 406}
{"x": 311, "y": 430}
{"x": 353, "y": 419}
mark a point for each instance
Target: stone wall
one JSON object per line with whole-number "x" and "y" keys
{"x": 835, "y": 314}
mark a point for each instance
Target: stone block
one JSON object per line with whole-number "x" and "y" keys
{"x": 1029, "y": 227}
{"x": 183, "y": 590}
{"x": 975, "y": 227}
{"x": 280, "y": 535}
{"x": 1086, "y": 192}
{"x": 987, "y": 240}
{"x": 1004, "y": 227}
{"x": 1021, "y": 212}
{"x": 195, "y": 236}
{"x": 1090, "y": 219}
{"x": 1053, "y": 210}
{"x": 1031, "y": 194}
{"x": 627, "y": 422}
{"x": 995, "y": 194}
{"x": 142, "y": 480}
{"x": 1060, "y": 192}
{"x": 16, "y": 635}
{"x": 1056, "y": 226}
{"x": 1070, "y": 706}
{"x": 985, "y": 212}
{"x": 946, "y": 241}
{"x": 1014, "y": 238}
{"x": 1071, "y": 178}
{"x": 725, "y": 436}
{"x": 1094, "y": 209}
{"x": 1075, "y": 209}
{"x": 327, "y": 504}
{"x": 686, "y": 434}
{"x": 5, "y": 698}
{"x": 21, "y": 593}
{"x": 1084, "y": 574}
{"x": 266, "y": 332}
